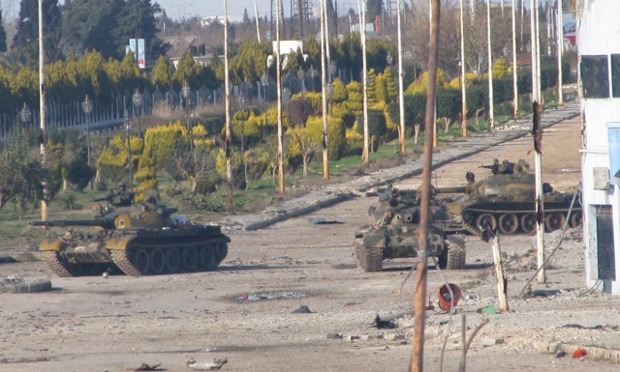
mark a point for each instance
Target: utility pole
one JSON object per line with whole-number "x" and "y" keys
{"x": 324, "y": 94}
{"x": 42, "y": 118}
{"x": 365, "y": 155}
{"x": 228, "y": 143}
{"x": 560, "y": 46}
{"x": 515, "y": 87}
{"x": 463, "y": 90}
{"x": 537, "y": 132}
{"x": 490, "y": 58}
{"x": 279, "y": 90}
{"x": 401, "y": 89}
{"x": 257, "y": 22}
{"x": 417, "y": 357}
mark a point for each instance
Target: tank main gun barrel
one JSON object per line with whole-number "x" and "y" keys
{"x": 65, "y": 223}
{"x": 451, "y": 190}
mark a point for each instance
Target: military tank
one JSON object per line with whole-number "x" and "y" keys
{"x": 144, "y": 239}
{"x": 506, "y": 201}
{"x": 392, "y": 232}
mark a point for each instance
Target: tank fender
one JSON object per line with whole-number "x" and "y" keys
{"x": 118, "y": 243}
{"x": 51, "y": 245}
{"x": 375, "y": 240}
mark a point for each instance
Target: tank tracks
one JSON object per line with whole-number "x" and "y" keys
{"x": 512, "y": 222}
{"x": 456, "y": 256}
{"x": 371, "y": 259}
{"x": 142, "y": 258}
{"x": 63, "y": 268}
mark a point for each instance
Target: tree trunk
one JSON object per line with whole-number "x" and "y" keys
{"x": 416, "y": 132}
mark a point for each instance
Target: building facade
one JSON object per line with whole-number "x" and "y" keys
{"x": 598, "y": 44}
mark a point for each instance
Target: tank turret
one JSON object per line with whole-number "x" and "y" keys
{"x": 143, "y": 239}
{"x": 506, "y": 202}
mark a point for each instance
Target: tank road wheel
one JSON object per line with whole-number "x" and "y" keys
{"x": 221, "y": 251}
{"x": 453, "y": 256}
{"x": 370, "y": 259}
{"x": 158, "y": 261}
{"x": 528, "y": 223}
{"x": 486, "y": 219}
{"x": 508, "y": 223}
{"x": 208, "y": 257}
{"x": 554, "y": 221}
{"x": 141, "y": 260}
{"x": 576, "y": 218}
{"x": 189, "y": 258}
{"x": 173, "y": 260}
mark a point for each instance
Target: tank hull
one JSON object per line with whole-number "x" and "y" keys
{"x": 136, "y": 253}
{"x": 516, "y": 214}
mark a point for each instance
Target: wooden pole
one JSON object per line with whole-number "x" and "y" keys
{"x": 490, "y": 58}
{"x": 365, "y": 154}
{"x": 463, "y": 90}
{"x": 515, "y": 86}
{"x": 279, "y": 90}
{"x": 228, "y": 143}
{"x": 417, "y": 359}
{"x": 560, "y": 46}
{"x": 42, "y": 112}
{"x": 499, "y": 272}
{"x": 537, "y": 132}
{"x": 324, "y": 142}
{"x": 401, "y": 89}
{"x": 257, "y": 22}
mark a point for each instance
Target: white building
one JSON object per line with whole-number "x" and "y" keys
{"x": 598, "y": 35}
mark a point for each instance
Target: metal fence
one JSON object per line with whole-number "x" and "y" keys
{"x": 111, "y": 113}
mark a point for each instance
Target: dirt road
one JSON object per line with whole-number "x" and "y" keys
{"x": 243, "y": 311}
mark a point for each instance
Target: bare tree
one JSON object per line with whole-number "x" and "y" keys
{"x": 306, "y": 146}
{"x": 195, "y": 165}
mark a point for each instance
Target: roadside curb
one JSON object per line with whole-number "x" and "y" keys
{"x": 334, "y": 194}
{"x": 594, "y": 352}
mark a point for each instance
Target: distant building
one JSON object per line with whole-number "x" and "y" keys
{"x": 598, "y": 31}
{"x": 207, "y": 21}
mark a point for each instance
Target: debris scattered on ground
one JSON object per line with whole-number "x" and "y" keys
{"x": 205, "y": 366}
{"x": 560, "y": 354}
{"x": 572, "y": 325}
{"x": 323, "y": 221}
{"x": 580, "y": 353}
{"x": 303, "y": 309}
{"x": 334, "y": 336}
{"x": 491, "y": 309}
{"x": 147, "y": 367}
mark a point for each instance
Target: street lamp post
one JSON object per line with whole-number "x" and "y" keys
{"x": 187, "y": 91}
{"x": 87, "y": 107}
{"x": 137, "y": 102}
{"x": 329, "y": 88}
{"x": 127, "y": 120}
{"x": 312, "y": 73}
{"x": 286, "y": 98}
{"x": 300, "y": 76}
{"x": 25, "y": 114}
{"x": 264, "y": 80}
{"x": 241, "y": 99}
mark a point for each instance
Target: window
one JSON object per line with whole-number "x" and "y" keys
{"x": 615, "y": 75}
{"x": 595, "y": 76}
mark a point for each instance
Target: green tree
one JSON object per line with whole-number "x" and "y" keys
{"x": 188, "y": 71}
{"x": 3, "y": 45}
{"x": 88, "y": 24}
{"x": 390, "y": 86}
{"x": 21, "y": 172}
{"x": 138, "y": 19}
{"x": 26, "y": 39}
{"x": 161, "y": 76}
{"x": 372, "y": 87}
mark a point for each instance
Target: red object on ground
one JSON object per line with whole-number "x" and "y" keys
{"x": 580, "y": 353}
{"x": 444, "y": 296}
